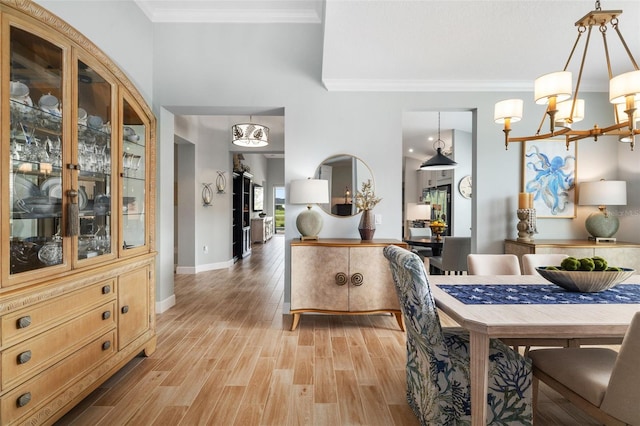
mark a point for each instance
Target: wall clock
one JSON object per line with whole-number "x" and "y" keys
{"x": 465, "y": 187}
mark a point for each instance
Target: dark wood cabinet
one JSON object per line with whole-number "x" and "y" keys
{"x": 241, "y": 215}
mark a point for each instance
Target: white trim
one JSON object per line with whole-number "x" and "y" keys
{"x": 190, "y": 270}
{"x": 286, "y": 308}
{"x": 306, "y": 15}
{"x": 384, "y": 85}
{"x": 164, "y": 305}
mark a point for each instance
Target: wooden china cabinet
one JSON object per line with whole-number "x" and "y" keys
{"x": 77, "y": 287}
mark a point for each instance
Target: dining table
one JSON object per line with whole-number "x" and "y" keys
{"x": 528, "y": 308}
{"x": 433, "y": 242}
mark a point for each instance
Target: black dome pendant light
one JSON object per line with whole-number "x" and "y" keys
{"x": 439, "y": 161}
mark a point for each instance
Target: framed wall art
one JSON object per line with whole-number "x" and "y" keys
{"x": 549, "y": 173}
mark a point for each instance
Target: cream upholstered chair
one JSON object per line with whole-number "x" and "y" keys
{"x": 603, "y": 383}
{"x": 531, "y": 261}
{"x": 438, "y": 365}
{"x": 493, "y": 264}
{"x": 421, "y": 233}
{"x": 454, "y": 255}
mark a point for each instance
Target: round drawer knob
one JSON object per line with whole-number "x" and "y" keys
{"x": 24, "y": 357}
{"x": 23, "y": 399}
{"x": 106, "y": 315}
{"x": 106, "y": 345}
{"x": 106, "y": 289}
{"x": 24, "y": 322}
{"x": 125, "y": 309}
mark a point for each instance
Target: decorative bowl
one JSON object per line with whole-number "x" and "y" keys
{"x": 586, "y": 281}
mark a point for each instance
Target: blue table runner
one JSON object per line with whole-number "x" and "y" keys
{"x": 538, "y": 294}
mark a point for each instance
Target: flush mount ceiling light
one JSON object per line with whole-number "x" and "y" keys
{"x": 554, "y": 90}
{"x": 250, "y": 135}
{"x": 438, "y": 161}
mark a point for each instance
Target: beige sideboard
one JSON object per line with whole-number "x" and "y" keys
{"x": 342, "y": 276}
{"x": 620, "y": 253}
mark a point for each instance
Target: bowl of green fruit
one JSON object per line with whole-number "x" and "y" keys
{"x": 585, "y": 275}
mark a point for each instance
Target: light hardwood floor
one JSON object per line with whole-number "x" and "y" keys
{"x": 225, "y": 356}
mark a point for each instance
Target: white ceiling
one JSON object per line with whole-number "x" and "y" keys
{"x": 433, "y": 45}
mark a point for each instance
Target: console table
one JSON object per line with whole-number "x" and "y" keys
{"x": 619, "y": 253}
{"x": 342, "y": 277}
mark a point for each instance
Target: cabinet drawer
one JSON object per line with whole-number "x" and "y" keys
{"x": 27, "y": 397}
{"x": 33, "y": 355}
{"x": 35, "y": 319}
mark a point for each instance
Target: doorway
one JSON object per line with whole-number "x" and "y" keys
{"x": 279, "y": 196}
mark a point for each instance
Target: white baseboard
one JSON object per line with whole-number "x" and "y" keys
{"x": 166, "y": 304}
{"x": 190, "y": 270}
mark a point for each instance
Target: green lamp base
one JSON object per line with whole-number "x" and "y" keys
{"x": 309, "y": 224}
{"x": 602, "y": 225}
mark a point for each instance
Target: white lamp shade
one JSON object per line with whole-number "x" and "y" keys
{"x": 623, "y": 85}
{"x": 564, "y": 110}
{"x": 555, "y": 84}
{"x": 417, "y": 211}
{"x": 603, "y": 193}
{"x": 309, "y": 191}
{"x": 250, "y": 135}
{"x": 509, "y": 108}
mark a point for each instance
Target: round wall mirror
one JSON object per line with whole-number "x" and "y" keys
{"x": 345, "y": 174}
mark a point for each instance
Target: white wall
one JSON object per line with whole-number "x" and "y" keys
{"x": 199, "y": 64}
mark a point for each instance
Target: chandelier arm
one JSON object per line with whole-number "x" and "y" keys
{"x": 624, "y": 43}
{"x": 603, "y": 31}
{"x": 540, "y": 137}
{"x": 575, "y": 44}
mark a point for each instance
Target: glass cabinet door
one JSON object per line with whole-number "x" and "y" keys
{"x": 93, "y": 161}
{"x": 134, "y": 175}
{"x": 35, "y": 170}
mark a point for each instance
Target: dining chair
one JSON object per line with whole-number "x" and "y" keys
{"x": 438, "y": 366}
{"x": 532, "y": 260}
{"x": 454, "y": 255}
{"x": 601, "y": 382}
{"x": 493, "y": 264}
{"x": 421, "y": 233}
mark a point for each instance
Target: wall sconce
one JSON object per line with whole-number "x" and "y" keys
{"x": 221, "y": 182}
{"x": 207, "y": 194}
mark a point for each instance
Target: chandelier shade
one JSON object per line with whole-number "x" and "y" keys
{"x": 509, "y": 109}
{"x": 563, "y": 106}
{"x": 555, "y": 85}
{"x": 623, "y": 85}
{"x": 250, "y": 135}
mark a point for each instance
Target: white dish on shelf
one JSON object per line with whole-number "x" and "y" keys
{"x": 52, "y": 187}
{"x": 23, "y": 188}
{"x": 82, "y": 199}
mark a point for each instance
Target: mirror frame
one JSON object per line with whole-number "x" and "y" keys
{"x": 354, "y": 188}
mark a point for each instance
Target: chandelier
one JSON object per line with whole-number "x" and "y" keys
{"x": 250, "y": 135}
{"x": 554, "y": 90}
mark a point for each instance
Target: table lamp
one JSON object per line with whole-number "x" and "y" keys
{"x": 602, "y": 225}
{"x": 309, "y": 191}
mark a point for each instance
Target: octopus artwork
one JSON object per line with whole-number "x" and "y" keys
{"x": 550, "y": 178}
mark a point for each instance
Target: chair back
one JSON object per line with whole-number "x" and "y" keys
{"x": 427, "y": 353}
{"x": 454, "y": 253}
{"x": 419, "y": 232}
{"x": 622, "y": 398}
{"x": 493, "y": 264}
{"x": 531, "y": 261}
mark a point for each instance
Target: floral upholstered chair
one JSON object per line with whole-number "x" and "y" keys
{"x": 438, "y": 372}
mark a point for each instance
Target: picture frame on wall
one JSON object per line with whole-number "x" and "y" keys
{"x": 549, "y": 173}
{"x": 258, "y": 198}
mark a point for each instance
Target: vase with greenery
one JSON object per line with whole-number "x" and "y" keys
{"x": 366, "y": 200}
